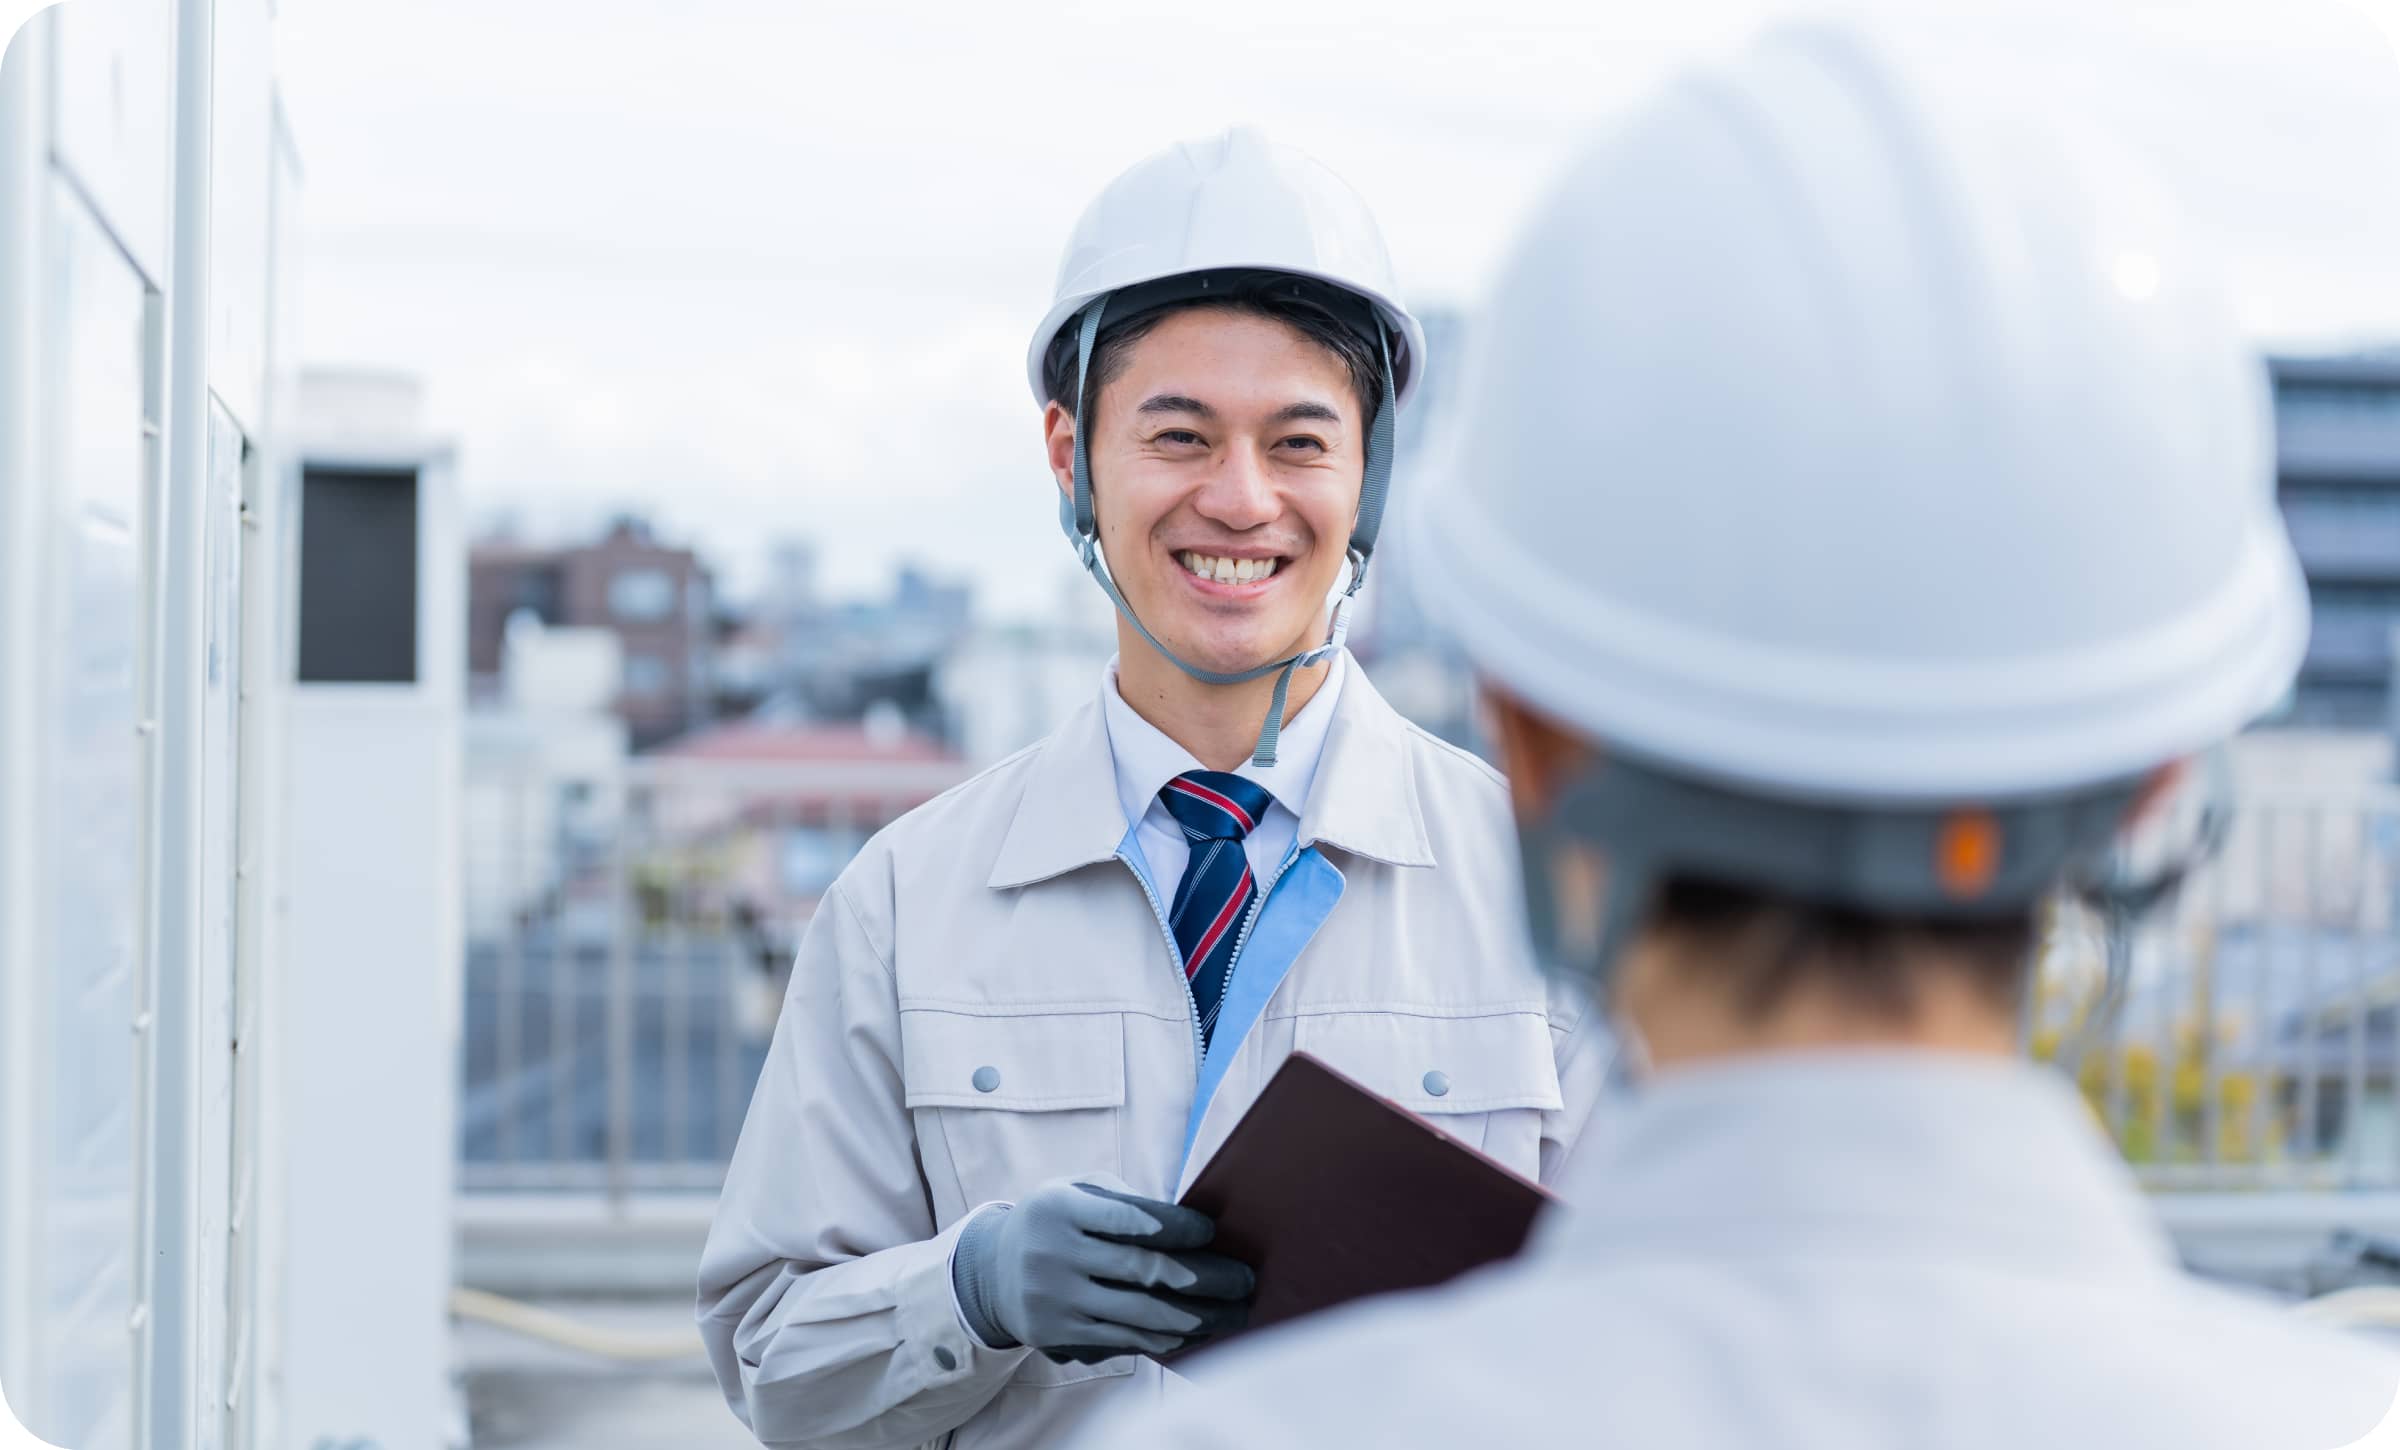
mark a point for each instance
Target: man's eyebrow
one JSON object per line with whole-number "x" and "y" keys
{"x": 1176, "y": 403}
{"x": 1312, "y": 412}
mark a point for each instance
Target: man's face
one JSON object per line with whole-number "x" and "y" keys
{"x": 1226, "y": 463}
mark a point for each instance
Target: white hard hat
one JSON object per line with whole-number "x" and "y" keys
{"x": 1845, "y": 439}
{"x": 1190, "y": 219}
{"x": 1232, "y": 201}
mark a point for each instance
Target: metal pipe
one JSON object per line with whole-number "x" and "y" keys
{"x": 2212, "y": 1066}
{"x": 2262, "y": 997}
{"x": 620, "y": 1005}
{"x": 2311, "y": 1008}
{"x": 563, "y": 977}
{"x": 169, "y": 1412}
{"x": 2378, "y": 826}
{"x": 2366, "y": 1307}
{"x": 537, "y": 1323}
{"x": 2116, "y": 947}
{"x": 674, "y": 982}
{"x": 2168, "y": 942}
{"x": 24, "y": 1052}
{"x": 2354, "y": 1105}
{"x": 728, "y": 1039}
{"x": 508, "y": 976}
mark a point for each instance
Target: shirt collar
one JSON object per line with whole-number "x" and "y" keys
{"x": 1362, "y": 796}
{"x": 1147, "y": 757}
{"x": 1876, "y": 1153}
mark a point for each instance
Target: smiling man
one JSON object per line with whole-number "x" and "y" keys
{"x": 1030, "y": 1011}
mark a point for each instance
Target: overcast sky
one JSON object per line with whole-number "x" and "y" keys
{"x": 760, "y": 267}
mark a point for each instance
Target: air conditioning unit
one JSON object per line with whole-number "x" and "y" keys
{"x": 374, "y": 951}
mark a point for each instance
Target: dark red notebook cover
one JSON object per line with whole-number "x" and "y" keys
{"x": 1332, "y": 1193}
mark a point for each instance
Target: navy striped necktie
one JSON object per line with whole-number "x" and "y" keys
{"x": 1212, "y": 904}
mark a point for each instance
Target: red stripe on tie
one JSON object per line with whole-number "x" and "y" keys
{"x": 1224, "y": 803}
{"x": 1217, "y": 928}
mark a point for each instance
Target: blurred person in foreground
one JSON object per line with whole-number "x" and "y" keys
{"x": 1032, "y": 1009}
{"x": 1864, "y": 515}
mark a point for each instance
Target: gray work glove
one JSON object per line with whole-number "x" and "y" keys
{"x": 1085, "y": 1270}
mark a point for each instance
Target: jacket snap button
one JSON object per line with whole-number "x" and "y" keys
{"x": 1437, "y": 1083}
{"x": 987, "y": 1079}
{"x": 945, "y": 1358}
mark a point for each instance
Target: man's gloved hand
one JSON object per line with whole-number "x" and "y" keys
{"x": 1085, "y": 1270}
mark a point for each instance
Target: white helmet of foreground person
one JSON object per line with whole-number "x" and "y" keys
{"x": 1194, "y": 220}
{"x": 1878, "y": 484}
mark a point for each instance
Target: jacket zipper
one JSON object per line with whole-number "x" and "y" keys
{"x": 1258, "y": 905}
{"x": 1241, "y": 939}
{"x": 1166, "y": 933}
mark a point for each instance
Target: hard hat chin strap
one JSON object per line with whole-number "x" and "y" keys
{"x": 1077, "y": 519}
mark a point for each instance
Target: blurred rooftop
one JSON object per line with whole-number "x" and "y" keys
{"x": 523, "y": 1394}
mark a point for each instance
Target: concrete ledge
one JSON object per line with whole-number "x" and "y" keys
{"x": 2271, "y": 1238}
{"x": 531, "y": 1244}
{"x": 578, "y": 1244}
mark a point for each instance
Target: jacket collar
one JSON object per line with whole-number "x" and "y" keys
{"x": 1873, "y": 1155}
{"x": 1365, "y": 796}
{"x": 1364, "y": 799}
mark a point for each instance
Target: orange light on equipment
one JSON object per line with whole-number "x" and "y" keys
{"x": 1966, "y": 853}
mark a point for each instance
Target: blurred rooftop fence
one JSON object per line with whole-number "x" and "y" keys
{"x": 629, "y": 938}
{"x": 2255, "y": 1041}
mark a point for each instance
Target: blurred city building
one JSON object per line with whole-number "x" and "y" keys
{"x": 2337, "y": 457}
{"x": 821, "y": 790}
{"x": 657, "y": 599}
{"x": 1001, "y": 686}
{"x": 837, "y": 659}
{"x": 631, "y": 922}
{"x": 545, "y": 756}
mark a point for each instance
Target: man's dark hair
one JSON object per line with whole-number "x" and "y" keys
{"x": 1112, "y": 351}
{"x": 1766, "y": 946}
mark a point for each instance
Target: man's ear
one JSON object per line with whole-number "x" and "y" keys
{"x": 1539, "y": 755}
{"x": 1058, "y": 440}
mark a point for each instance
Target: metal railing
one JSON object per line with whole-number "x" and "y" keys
{"x": 629, "y": 935}
{"x": 2255, "y": 1039}
{"x": 629, "y": 938}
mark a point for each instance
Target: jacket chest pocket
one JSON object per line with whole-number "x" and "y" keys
{"x": 1485, "y": 1080}
{"x": 1013, "y": 1100}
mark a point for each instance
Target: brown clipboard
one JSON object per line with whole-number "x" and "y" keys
{"x": 1331, "y": 1192}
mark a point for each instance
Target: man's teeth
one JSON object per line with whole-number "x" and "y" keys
{"x": 1227, "y": 571}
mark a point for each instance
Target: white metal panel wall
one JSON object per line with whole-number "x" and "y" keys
{"x": 91, "y": 821}
{"x": 73, "y": 968}
{"x": 73, "y": 386}
{"x": 24, "y": 512}
{"x": 241, "y": 158}
{"x": 185, "y": 1138}
{"x": 220, "y": 671}
{"x": 255, "y": 1321}
{"x": 110, "y": 102}
{"x": 137, "y": 139}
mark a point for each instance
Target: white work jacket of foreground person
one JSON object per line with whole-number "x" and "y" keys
{"x": 989, "y": 998}
{"x": 1886, "y": 1252}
